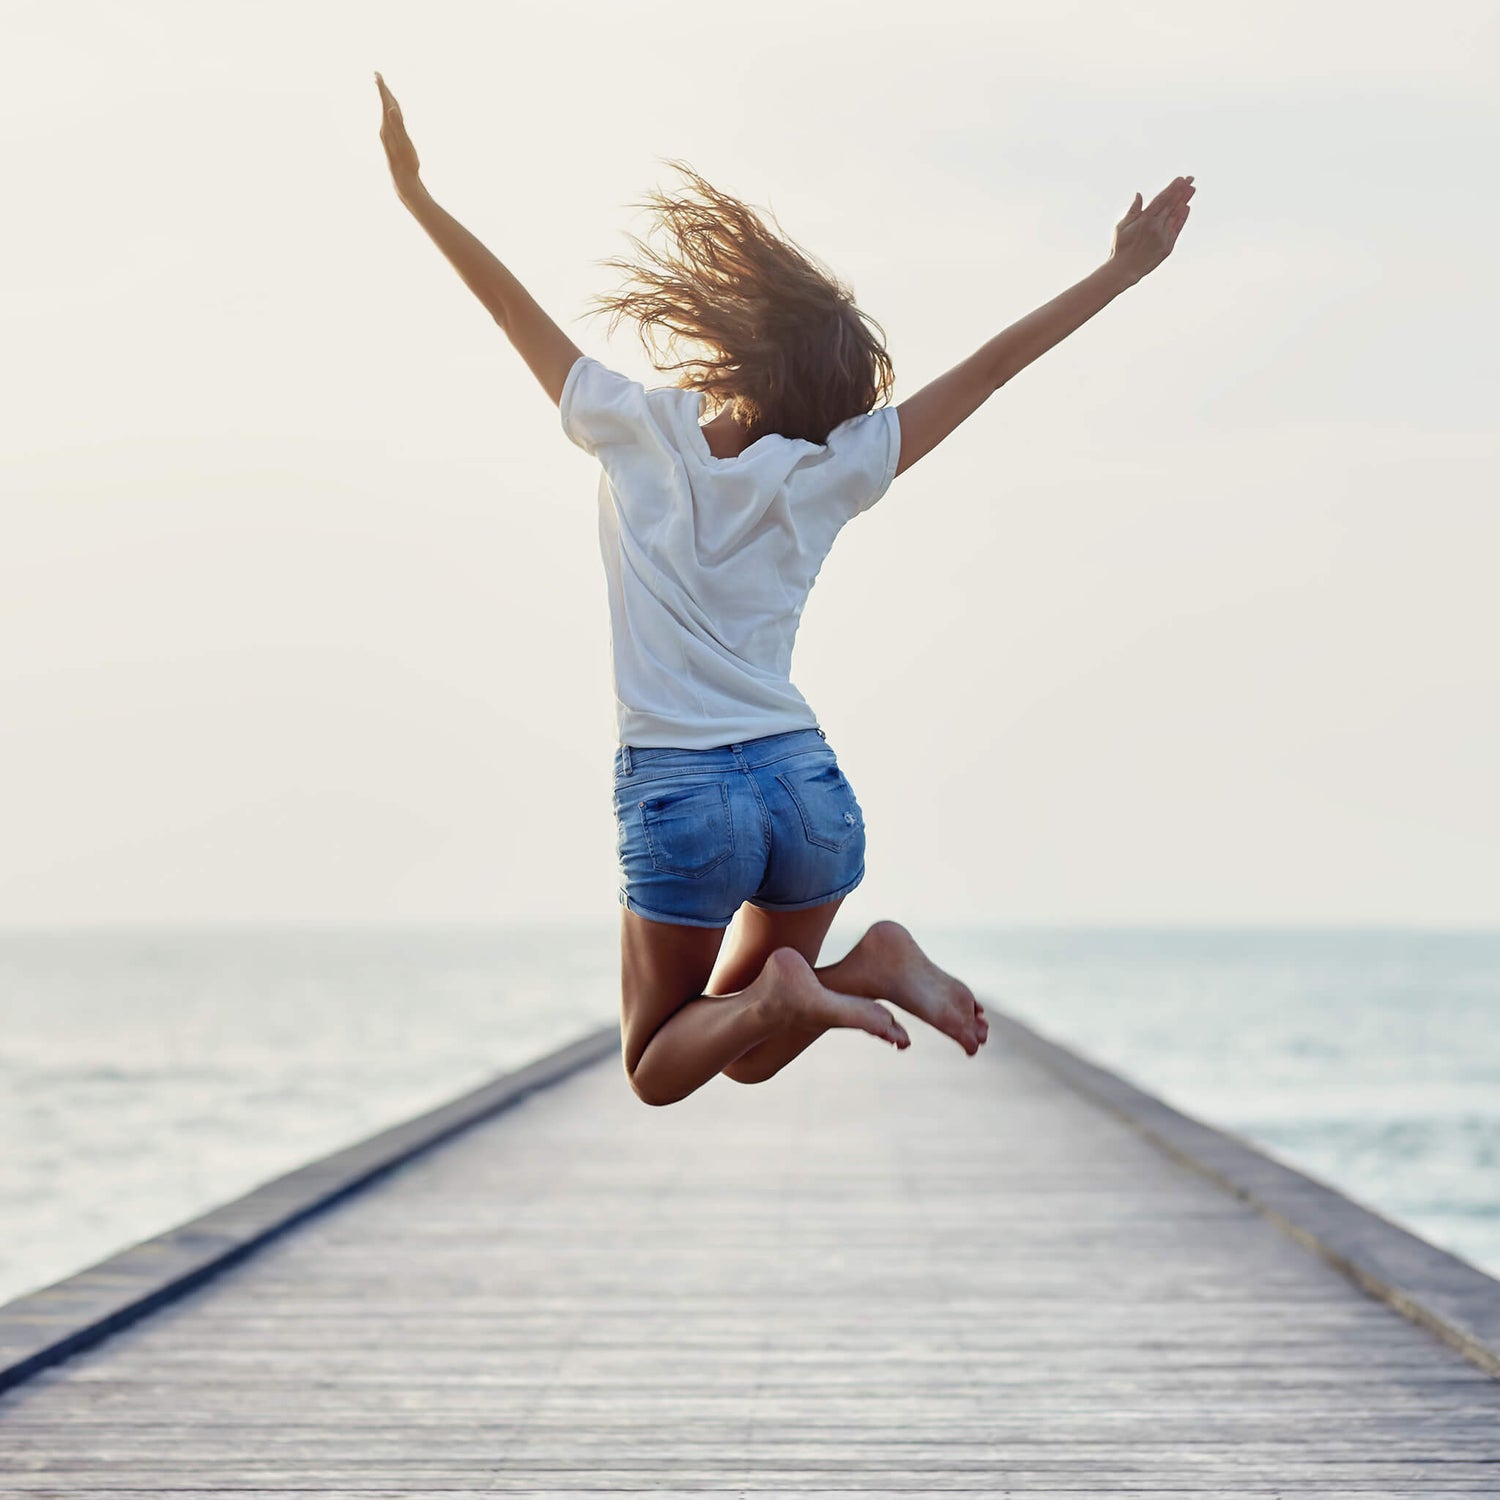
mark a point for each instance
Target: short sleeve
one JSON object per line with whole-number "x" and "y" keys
{"x": 600, "y": 407}
{"x": 865, "y": 450}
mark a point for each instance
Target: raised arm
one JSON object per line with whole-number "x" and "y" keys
{"x": 1143, "y": 239}
{"x": 547, "y": 350}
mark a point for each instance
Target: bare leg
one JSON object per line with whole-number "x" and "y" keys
{"x": 676, "y": 1038}
{"x": 753, "y": 936}
{"x": 886, "y": 964}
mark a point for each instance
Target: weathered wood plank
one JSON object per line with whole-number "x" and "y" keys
{"x": 56, "y": 1321}
{"x": 1455, "y": 1300}
{"x": 881, "y": 1273}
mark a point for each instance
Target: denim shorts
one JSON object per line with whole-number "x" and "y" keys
{"x": 770, "y": 821}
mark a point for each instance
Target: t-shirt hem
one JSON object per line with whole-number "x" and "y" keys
{"x": 652, "y": 734}
{"x": 893, "y": 456}
{"x": 565, "y": 399}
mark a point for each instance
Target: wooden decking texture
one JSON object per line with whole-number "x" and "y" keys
{"x": 880, "y": 1272}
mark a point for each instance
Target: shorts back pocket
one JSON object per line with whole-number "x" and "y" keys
{"x": 688, "y": 828}
{"x": 830, "y": 813}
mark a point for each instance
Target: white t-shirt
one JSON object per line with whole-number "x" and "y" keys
{"x": 710, "y": 560}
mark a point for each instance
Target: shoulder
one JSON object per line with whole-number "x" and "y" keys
{"x": 859, "y": 459}
{"x": 870, "y": 429}
{"x": 599, "y": 406}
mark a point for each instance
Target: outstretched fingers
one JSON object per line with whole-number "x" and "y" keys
{"x": 399, "y": 151}
{"x": 1168, "y": 211}
{"x": 1171, "y": 197}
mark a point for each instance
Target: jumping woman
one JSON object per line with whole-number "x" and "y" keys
{"x": 732, "y": 813}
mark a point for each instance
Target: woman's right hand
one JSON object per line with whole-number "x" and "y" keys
{"x": 1145, "y": 236}
{"x": 400, "y": 154}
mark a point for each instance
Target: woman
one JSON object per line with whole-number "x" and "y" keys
{"x": 731, "y": 810}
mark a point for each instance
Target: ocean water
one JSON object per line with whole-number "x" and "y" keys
{"x": 146, "y": 1076}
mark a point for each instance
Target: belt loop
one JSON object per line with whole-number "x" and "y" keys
{"x": 625, "y": 758}
{"x": 821, "y": 735}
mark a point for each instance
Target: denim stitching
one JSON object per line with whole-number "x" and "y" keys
{"x": 702, "y": 870}
{"x": 807, "y": 827}
{"x": 765, "y": 816}
{"x": 641, "y": 776}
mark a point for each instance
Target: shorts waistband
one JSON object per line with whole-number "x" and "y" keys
{"x": 662, "y": 759}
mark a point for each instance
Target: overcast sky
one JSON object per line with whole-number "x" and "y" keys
{"x": 301, "y": 609}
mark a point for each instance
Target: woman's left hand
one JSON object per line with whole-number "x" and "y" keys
{"x": 399, "y": 151}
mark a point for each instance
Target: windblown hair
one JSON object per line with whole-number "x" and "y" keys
{"x": 769, "y": 330}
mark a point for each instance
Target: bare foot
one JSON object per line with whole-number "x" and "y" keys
{"x": 888, "y": 963}
{"x": 793, "y": 997}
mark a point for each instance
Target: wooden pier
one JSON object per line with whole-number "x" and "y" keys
{"x": 880, "y": 1272}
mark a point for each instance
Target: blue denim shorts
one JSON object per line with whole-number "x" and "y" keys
{"x": 770, "y": 821}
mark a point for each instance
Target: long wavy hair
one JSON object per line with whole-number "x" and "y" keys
{"x": 765, "y": 328}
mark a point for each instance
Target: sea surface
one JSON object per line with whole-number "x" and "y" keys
{"x": 146, "y": 1076}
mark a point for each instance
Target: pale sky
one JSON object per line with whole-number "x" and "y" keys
{"x": 301, "y": 610}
